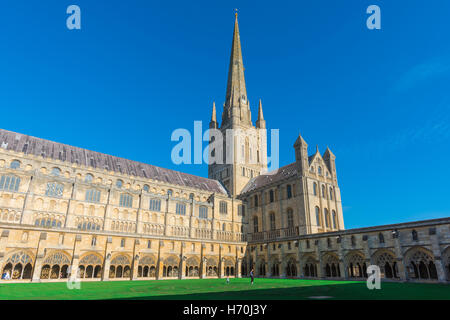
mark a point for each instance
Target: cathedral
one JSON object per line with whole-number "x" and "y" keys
{"x": 67, "y": 211}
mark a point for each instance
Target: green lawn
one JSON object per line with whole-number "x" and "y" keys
{"x": 207, "y": 289}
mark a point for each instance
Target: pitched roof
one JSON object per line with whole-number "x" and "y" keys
{"x": 282, "y": 173}
{"x": 39, "y": 147}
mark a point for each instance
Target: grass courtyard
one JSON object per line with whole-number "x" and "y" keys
{"x": 218, "y": 289}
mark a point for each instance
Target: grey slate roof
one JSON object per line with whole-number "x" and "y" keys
{"x": 39, "y": 147}
{"x": 282, "y": 173}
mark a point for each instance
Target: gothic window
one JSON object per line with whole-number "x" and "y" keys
{"x": 223, "y": 207}
{"x": 120, "y": 267}
{"x": 334, "y": 219}
{"x": 318, "y": 216}
{"x": 155, "y": 205}
{"x": 381, "y": 237}
{"x": 54, "y": 189}
{"x": 180, "y": 209}
{"x": 203, "y": 212}
{"x": 94, "y": 241}
{"x": 319, "y": 170}
{"x": 241, "y": 210}
{"x": 290, "y": 218}
{"x": 15, "y": 164}
{"x": 315, "y": 189}
{"x": 90, "y": 266}
{"x": 421, "y": 265}
{"x": 256, "y": 200}
{"x": 55, "y": 266}
{"x": 119, "y": 183}
{"x": 327, "y": 217}
{"x": 89, "y": 178}
{"x": 331, "y": 193}
{"x": 92, "y": 195}
{"x": 353, "y": 240}
{"x": 122, "y": 242}
{"x": 289, "y": 191}
{"x": 126, "y": 200}
{"x": 415, "y": 236}
{"x": 272, "y": 221}
{"x": 9, "y": 183}
{"x": 56, "y": 172}
{"x": 324, "y": 192}
{"x": 271, "y": 196}
{"x": 146, "y": 187}
{"x": 255, "y": 224}
{"x": 48, "y": 223}
{"x": 19, "y": 266}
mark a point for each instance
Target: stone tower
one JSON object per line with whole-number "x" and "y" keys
{"x": 244, "y": 144}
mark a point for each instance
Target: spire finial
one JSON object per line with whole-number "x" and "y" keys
{"x": 236, "y": 12}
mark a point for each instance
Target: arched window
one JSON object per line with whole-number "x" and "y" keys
{"x": 256, "y": 200}
{"x": 223, "y": 208}
{"x": 324, "y": 192}
{"x": 223, "y": 227}
{"x": 54, "y": 189}
{"x": 415, "y": 236}
{"x": 290, "y": 218}
{"x": 15, "y": 164}
{"x": 272, "y": 221}
{"x": 381, "y": 237}
{"x": 126, "y": 200}
{"x": 56, "y": 172}
{"x": 289, "y": 191}
{"x": 334, "y": 219}
{"x": 319, "y": 170}
{"x": 89, "y": 178}
{"x": 119, "y": 183}
{"x": 331, "y": 193}
{"x": 9, "y": 183}
{"x": 92, "y": 195}
{"x": 315, "y": 189}
{"x": 318, "y": 216}
{"x": 146, "y": 187}
{"x": 255, "y": 224}
{"x": 155, "y": 205}
{"x": 271, "y": 196}
{"x": 327, "y": 217}
{"x": 353, "y": 240}
{"x": 169, "y": 192}
{"x": 203, "y": 212}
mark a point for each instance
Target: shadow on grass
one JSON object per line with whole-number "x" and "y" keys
{"x": 340, "y": 291}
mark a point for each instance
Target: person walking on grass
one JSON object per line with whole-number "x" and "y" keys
{"x": 252, "y": 276}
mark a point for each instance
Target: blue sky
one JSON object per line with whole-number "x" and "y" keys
{"x": 137, "y": 70}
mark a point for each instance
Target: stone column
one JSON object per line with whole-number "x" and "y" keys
{"x": 238, "y": 273}
{"x": 320, "y": 273}
{"x": 181, "y": 274}
{"x": 437, "y": 255}
{"x": 135, "y": 261}
{"x": 403, "y": 273}
{"x": 40, "y": 255}
{"x": 283, "y": 262}
{"x": 341, "y": 254}
{"x": 159, "y": 264}
{"x": 202, "y": 262}
{"x": 107, "y": 261}
{"x": 221, "y": 262}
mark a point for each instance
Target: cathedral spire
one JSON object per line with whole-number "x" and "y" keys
{"x": 213, "y": 122}
{"x": 260, "y": 123}
{"x": 236, "y": 95}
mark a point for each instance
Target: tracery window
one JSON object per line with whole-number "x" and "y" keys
{"x": 126, "y": 200}
{"x": 155, "y": 205}
{"x": 318, "y": 220}
{"x": 223, "y": 207}
{"x": 15, "y": 164}
{"x": 92, "y": 195}
{"x": 290, "y": 218}
{"x": 54, "y": 189}
{"x": 56, "y": 172}
{"x": 272, "y": 221}
{"x": 203, "y": 212}
{"x": 120, "y": 267}
{"x": 55, "y": 266}
{"x": 255, "y": 224}
{"x": 9, "y": 183}
{"x": 180, "y": 209}
{"x": 19, "y": 266}
{"x": 89, "y": 178}
{"x": 90, "y": 266}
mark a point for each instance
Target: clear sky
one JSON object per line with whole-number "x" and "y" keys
{"x": 137, "y": 70}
